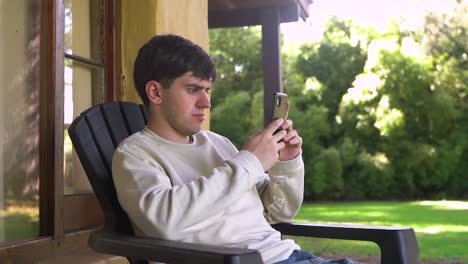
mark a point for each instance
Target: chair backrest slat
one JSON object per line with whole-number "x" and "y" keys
{"x": 133, "y": 116}
{"x": 86, "y": 148}
{"x": 95, "y": 120}
{"x": 115, "y": 121}
{"x": 143, "y": 111}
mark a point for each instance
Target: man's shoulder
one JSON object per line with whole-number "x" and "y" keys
{"x": 208, "y": 133}
{"x": 137, "y": 136}
{"x": 134, "y": 140}
{"x": 212, "y": 136}
{"x": 214, "y": 139}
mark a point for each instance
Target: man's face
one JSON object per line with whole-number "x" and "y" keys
{"x": 183, "y": 104}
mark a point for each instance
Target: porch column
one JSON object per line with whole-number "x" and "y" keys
{"x": 271, "y": 58}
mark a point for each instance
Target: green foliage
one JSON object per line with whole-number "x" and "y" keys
{"x": 334, "y": 62}
{"x": 231, "y": 117}
{"x": 408, "y": 84}
{"x": 393, "y": 126}
{"x": 421, "y": 152}
{"x": 335, "y": 65}
{"x": 312, "y": 125}
{"x": 327, "y": 180}
{"x": 237, "y": 96}
{"x": 256, "y": 111}
{"x": 445, "y": 36}
{"x": 237, "y": 53}
{"x": 368, "y": 176}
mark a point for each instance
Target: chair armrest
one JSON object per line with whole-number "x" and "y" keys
{"x": 398, "y": 245}
{"x": 151, "y": 249}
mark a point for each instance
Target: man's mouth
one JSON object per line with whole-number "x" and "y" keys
{"x": 200, "y": 117}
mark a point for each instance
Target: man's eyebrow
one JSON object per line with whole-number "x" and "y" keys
{"x": 196, "y": 85}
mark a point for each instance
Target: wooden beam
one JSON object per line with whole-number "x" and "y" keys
{"x": 57, "y": 116}
{"x": 271, "y": 59}
{"x": 233, "y": 18}
{"x": 112, "y": 50}
{"x": 51, "y": 124}
{"x": 223, "y": 5}
{"x": 46, "y": 137}
{"x": 250, "y": 16}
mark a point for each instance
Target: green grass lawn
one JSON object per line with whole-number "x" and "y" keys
{"x": 19, "y": 220}
{"x": 441, "y": 227}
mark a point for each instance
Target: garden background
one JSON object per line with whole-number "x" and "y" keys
{"x": 383, "y": 117}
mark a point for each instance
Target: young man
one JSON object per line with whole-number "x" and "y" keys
{"x": 181, "y": 183}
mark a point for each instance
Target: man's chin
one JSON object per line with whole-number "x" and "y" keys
{"x": 196, "y": 131}
{"x": 193, "y": 132}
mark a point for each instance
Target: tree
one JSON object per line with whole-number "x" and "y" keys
{"x": 391, "y": 128}
{"x": 237, "y": 53}
{"x": 334, "y": 62}
{"x": 444, "y": 39}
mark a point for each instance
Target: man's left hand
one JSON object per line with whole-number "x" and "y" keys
{"x": 292, "y": 140}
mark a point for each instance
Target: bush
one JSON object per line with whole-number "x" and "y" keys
{"x": 326, "y": 181}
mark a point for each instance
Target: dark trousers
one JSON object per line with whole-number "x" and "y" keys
{"x": 304, "y": 257}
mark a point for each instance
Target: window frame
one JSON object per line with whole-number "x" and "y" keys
{"x": 72, "y": 205}
{"x": 58, "y": 221}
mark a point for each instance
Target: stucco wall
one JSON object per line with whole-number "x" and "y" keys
{"x": 143, "y": 19}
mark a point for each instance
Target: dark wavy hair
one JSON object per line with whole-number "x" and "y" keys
{"x": 166, "y": 57}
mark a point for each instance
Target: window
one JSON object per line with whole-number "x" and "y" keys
{"x": 35, "y": 74}
{"x": 83, "y": 78}
{"x": 19, "y": 119}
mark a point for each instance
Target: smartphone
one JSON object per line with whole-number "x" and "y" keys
{"x": 280, "y": 107}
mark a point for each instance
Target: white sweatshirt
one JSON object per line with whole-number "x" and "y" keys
{"x": 207, "y": 192}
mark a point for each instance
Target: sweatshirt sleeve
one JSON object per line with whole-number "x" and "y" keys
{"x": 282, "y": 193}
{"x": 161, "y": 209}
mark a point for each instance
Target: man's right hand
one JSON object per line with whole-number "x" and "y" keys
{"x": 265, "y": 146}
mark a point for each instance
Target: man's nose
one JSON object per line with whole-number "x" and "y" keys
{"x": 204, "y": 100}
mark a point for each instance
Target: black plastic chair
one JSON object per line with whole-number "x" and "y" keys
{"x": 95, "y": 135}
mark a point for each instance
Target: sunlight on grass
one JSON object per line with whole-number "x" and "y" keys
{"x": 441, "y": 227}
{"x": 446, "y": 204}
{"x": 347, "y": 213}
{"x": 31, "y": 212}
{"x": 337, "y": 248}
{"x": 19, "y": 221}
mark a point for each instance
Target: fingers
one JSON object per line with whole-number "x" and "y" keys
{"x": 295, "y": 141}
{"x": 266, "y": 146}
{"x": 285, "y": 132}
{"x": 279, "y": 136}
{"x": 291, "y": 134}
{"x": 287, "y": 124}
{"x": 292, "y": 138}
{"x": 273, "y": 126}
{"x": 279, "y": 147}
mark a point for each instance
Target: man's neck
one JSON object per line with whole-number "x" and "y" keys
{"x": 168, "y": 135}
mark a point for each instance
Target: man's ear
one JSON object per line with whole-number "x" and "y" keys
{"x": 154, "y": 91}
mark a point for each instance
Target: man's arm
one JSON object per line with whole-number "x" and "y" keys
{"x": 283, "y": 192}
